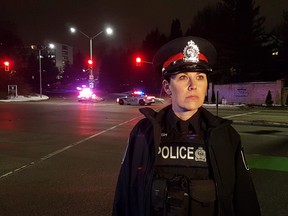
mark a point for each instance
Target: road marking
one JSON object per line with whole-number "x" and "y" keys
{"x": 254, "y": 163}
{"x": 242, "y": 114}
{"x": 66, "y": 148}
{"x": 267, "y": 162}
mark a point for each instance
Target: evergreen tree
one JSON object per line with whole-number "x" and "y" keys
{"x": 282, "y": 47}
{"x": 76, "y": 72}
{"x": 236, "y": 30}
{"x": 9, "y": 41}
{"x": 249, "y": 33}
{"x": 116, "y": 71}
{"x": 176, "y": 30}
{"x": 152, "y": 42}
{"x": 268, "y": 100}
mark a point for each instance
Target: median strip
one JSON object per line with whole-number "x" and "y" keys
{"x": 267, "y": 162}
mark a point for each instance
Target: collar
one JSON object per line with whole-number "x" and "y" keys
{"x": 209, "y": 119}
{"x": 194, "y": 120}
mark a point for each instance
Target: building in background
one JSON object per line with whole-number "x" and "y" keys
{"x": 62, "y": 56}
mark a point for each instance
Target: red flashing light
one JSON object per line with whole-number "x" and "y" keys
{"x": 6, "y": 65}
{"x": 90, "y": 62}
{"x": 138, "y": 61}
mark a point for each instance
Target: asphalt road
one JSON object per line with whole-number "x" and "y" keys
{"x": 60, "y": 157}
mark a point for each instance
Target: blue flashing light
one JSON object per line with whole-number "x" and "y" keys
{"x": 138, "y": 92}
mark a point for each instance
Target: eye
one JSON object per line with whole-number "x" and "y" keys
{"x": 201, "y": 76}
{"x": 182, "y": 76}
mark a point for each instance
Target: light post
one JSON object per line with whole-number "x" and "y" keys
{"x": 108, "y": 31}
{"x": 40, "y": 49}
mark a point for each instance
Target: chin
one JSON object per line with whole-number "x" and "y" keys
{"x": 192, "y": 107}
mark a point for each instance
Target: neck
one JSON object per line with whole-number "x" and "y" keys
{"x": 184, "y": 115}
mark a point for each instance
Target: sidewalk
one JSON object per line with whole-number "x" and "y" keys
{"x": 254, "y": 115}
{"x": 21, "y": 98}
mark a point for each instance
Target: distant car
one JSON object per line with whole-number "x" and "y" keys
{"x": 87, "y": 95}
{"x": 136, "y": 98}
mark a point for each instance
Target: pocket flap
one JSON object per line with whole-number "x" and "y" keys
{"x": 203, "y": 190}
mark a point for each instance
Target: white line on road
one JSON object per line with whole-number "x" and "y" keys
{"x": 84, "y": 140}
{"x": 242, "y": 114}
{"x": 66, "y": 148}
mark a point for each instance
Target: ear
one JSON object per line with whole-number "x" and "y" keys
{"x": 166, "y": 87}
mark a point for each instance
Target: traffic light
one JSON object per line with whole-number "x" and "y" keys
{"x": 138, "y": 61}
{"x": 6, "y": 65}
{"x": 90, "y": 62}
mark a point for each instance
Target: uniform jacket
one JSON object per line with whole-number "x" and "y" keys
{"x": 236, "y": 195}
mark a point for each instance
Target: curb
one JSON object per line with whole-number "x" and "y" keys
{"x": 266, "y": 124}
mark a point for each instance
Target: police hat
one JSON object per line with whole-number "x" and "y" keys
{"x": 185, "y": 54}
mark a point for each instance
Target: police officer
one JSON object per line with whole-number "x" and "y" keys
{"x": 183, "y": 160}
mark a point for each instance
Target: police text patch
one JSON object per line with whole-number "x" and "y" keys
{"x": 187, "y": 154}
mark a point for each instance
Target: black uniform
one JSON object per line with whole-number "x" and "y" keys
{"x": 222, "y": 172}
{"x": 183, "y": 183}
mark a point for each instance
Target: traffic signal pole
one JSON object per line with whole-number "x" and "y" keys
{"x": 40, "y": 73}
{"x": 91, "y": 55}
{"x": 139, "y": 61}
{"x": 91, "y": 77}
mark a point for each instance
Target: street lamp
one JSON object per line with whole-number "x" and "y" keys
{"x": 40, "y": 49}
{"x": 108, "y": 31}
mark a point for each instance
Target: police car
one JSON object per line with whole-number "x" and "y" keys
{"x": 136, "y": 98}
{"x": 87, "y": 95}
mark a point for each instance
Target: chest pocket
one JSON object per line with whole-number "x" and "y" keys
{"x": 180, "y": 196}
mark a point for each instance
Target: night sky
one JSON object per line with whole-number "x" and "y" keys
{"x": 39, "y": 20}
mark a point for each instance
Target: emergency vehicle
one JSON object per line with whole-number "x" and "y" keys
{"x": 87, "y": 95}
{"x": 136, "y": 98}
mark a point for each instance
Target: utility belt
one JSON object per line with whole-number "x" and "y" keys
{"x": 183, "y": 196}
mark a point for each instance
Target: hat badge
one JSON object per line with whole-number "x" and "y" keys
{"x": 191, "y": 52}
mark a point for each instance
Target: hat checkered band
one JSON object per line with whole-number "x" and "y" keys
{"x": 191, "y": 52}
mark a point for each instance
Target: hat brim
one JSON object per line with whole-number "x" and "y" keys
{"x": 187, "y": 67}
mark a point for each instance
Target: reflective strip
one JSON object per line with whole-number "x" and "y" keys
{"x": 244, "y": 161}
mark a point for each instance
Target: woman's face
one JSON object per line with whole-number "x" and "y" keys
{"x": 187, "y": 91}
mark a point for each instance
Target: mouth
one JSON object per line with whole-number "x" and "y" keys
{"x": 192, "y": 97}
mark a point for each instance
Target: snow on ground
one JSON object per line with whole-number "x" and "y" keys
{"x": 21, "y": 98}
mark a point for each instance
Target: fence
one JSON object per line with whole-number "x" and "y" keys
{"x": 253, "y": 93}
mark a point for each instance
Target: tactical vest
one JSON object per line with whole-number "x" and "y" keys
{"x": 182, "y": 184}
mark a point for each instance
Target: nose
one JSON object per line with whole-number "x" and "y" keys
{"x": 191, "y": 84}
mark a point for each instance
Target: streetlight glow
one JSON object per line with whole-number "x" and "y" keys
{"x": 72, "y": 29}
{"x": 51, "y": 46}
{"x": 108, "y": 30}
{"x": 40, "y": 48}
